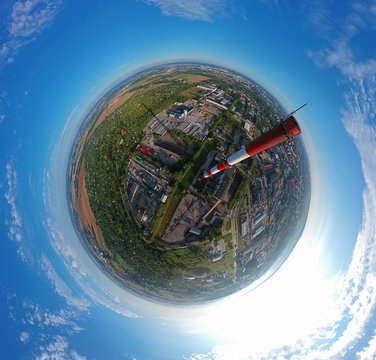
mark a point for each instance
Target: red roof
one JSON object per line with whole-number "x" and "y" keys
{"x": 146, "y": 150}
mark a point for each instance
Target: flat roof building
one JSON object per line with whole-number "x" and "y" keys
{"x": 244, "y": 229}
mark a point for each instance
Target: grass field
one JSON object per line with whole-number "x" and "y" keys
{"x": 166, "y": 211}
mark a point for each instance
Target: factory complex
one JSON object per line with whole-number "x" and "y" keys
{"x": 189, "y": 183}
{"x": 243, "y": 208}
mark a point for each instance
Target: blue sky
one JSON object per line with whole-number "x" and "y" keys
{"x": 58, "y": 57}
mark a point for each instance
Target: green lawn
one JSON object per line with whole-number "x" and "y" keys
{"x": 165, "y": 211}
{"x": 228, "y": 237}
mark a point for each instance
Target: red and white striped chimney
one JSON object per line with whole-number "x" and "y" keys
{"x": 282, "y": 132}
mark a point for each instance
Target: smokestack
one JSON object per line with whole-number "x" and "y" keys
{"x": 286, "y": 130}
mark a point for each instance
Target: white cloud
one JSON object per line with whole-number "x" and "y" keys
{"x": 58, "y": 348}
{"x": 15, "y": 222}
{"x": 31, "y": 16}
{"x": 10, "y": 196}
{"x": 72, "y": 261}
{"x": 200, "y": 10}
{"x": 43, "y": 318}
{"x": 49, "y": 328}
{"x": 357, "y": 301}
{"x": 61, "y": 287}
{"x": 24, "y": 336}
{"x": 3, "y": 102}
{"x": 368, "y": 352}
{"x": 26, "y": 21}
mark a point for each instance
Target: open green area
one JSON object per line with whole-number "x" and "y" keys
{"x": 239, "y": 192}
{"x": 166, "y": 210}
{"x": 227, "y": 238}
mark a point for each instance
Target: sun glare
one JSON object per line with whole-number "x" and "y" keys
{"x": 288, "y": 307}
{"x": 296, "y": 298}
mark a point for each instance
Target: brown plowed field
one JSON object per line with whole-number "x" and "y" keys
{"x": 85, "y": 214}
{"x": 196, "y": 78}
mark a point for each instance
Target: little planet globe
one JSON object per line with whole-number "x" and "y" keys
{"x": 139, "y": 201}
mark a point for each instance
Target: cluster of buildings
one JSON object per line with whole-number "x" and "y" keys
{"x": 218, "y": 186}
{"x": 190, "y": 211}
{"x": 274, "y": 192}
{"x": 217, "y": 250}
{"x": 146, "y": 186}
{"x": 264, "y": 198}
{"x": 192, "y": 117}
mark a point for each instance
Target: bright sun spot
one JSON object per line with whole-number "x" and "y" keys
{"x": 288, "y": 307}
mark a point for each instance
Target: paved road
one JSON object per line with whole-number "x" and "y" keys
{"x": 234, "y": 233}
{"x": 249, "y": 213}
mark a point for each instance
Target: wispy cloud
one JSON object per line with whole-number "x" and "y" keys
{"x": 356, "y": 302}
{"x": 71, "y": 259}
{"x": 24, "y": 337}
{"x": 61, "y": 287}
{"x": 46, "y": 330}
{"x": 3, "y": 102}
{"x": 14, "y": 223}
{"x": 369, "y": 351}
{"x": 78, "y": 272}
{"x": 31, "y": 16}
{"x": 10, "y": 195}
{"x": 198, "y": 10}
{"x": 26, "y": 21}
{"x": 273, "y": 4}
{"x": 319, "y": 16}
{"x": 43, "y": 318}
{"x": 58, "y": 348}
